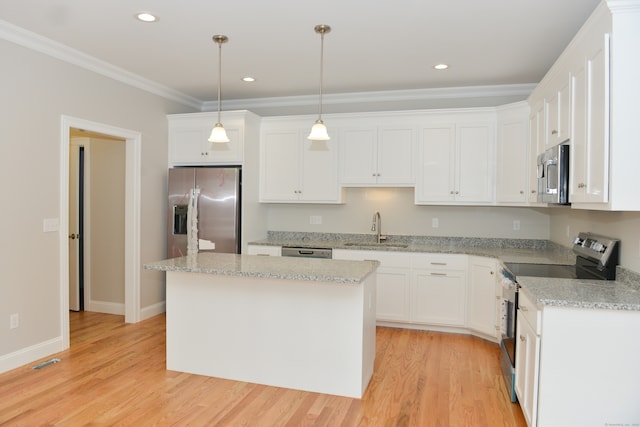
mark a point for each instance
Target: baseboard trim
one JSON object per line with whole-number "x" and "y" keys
{"x": 30, "y": 354}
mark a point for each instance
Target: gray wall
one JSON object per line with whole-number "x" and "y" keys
{"x": 36, "y": 90}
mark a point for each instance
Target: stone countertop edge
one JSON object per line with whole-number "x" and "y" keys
{"x": 578, "y": 293}
{"x": 284, "y": 268}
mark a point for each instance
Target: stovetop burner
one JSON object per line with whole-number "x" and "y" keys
{"x": 596, "y": 259}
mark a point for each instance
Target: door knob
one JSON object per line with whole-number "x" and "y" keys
{"x": 74, "y": 236}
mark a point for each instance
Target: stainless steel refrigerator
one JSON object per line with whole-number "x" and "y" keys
{"x": 204, "y": 210}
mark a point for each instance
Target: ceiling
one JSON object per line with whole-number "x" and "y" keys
{"x": 374, "y": 45}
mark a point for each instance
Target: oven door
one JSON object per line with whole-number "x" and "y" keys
{"x": 508, "y": 328}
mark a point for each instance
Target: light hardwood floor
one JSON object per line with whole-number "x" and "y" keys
{"x": 114, "y": 374}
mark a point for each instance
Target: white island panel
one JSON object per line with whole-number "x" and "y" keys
{"x": 300, "y": 334}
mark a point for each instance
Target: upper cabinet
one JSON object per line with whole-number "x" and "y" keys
{"x": 601, "y": 66}
{"x": 456, "y": 159}
{"x": 590, "y": 147}
{"x": 189, "y": 133}
{"x": 373, "y": 155}
{"x": 536, "y": 147}
{"x": 512, "y": 166}
{"x": 294, "y": 169}
{"x": 558, "y": 108}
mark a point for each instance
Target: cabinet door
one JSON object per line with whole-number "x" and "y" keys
{"x": 590, "y": 144}
{"x": 392, "y": 298}
{"x": 359, "y": 156}
{"x": 527, "y": 368}
{"x": 474, "y": 166}
{"x": 189, "y": 145}
{"x": 438, "y": 297}
{"x": 319, "y": 172}
{"x": 559, "y": 112}
{"x": 482, "y": 306}
{"x": 280, "y": 166}
{"x": 395, "y": 156}
{"x": 512, "y": 165}
{"x": 536, "y": 146}
{"x": 436, "y": 164}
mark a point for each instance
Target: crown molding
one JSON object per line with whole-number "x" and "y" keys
{"x": 38, "y": 43}
{"x": 376, "y": 97}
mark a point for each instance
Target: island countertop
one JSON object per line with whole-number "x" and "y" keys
{"x": 307, "y": 269}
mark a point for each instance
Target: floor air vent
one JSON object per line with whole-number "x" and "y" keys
{"x": 45, "y": 364}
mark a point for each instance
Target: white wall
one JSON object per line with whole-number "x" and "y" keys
{"x": 401, "y": 216}
{"x": 36, "y": 90}
{"x": 566, "y": 223}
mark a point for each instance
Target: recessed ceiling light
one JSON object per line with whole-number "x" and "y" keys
{"x": 441, "y": 66}
{"x": 248, "y": 79}
{"x": 146, "y": 17}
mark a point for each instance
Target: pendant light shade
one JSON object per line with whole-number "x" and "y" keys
{"x": 218, "y": 134}
{"x": 319, "y": 130}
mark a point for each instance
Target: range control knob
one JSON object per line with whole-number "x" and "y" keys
{"x": 599, "y": 247}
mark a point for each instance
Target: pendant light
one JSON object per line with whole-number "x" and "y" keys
{"x": 319, "y": 130}
{"x": 218, "y": 134}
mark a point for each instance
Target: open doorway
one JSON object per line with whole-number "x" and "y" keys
{"x": 96, "y": 222}
{"x": 132, "y": 170}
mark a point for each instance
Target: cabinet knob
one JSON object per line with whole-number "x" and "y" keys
{"x": 521, "y": 191}
{"x": 523, "y": 338}
{"x": 523, "y": 308}
{"x": 457, "y": 192}
{"x": 554, "y": 132}
{"x": 451, "y": 192}
{"x": 533, "y": 191}
{"x": 491, "y": 273}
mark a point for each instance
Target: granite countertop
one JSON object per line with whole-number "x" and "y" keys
{"x": 579, "y": 293}
{"x": 506, "y": 250}
{"x": 621, "y": 294}
{"x": 307, "y": 269}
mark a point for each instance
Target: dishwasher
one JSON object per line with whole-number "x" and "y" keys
{"x": 292, "y": 251}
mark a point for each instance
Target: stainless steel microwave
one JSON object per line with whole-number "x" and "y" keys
{"x": 553, "y": 175}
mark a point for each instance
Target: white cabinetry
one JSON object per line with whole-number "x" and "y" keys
{"x": 264, "y": 250}
{"x": 456, "y": 161}
{"x": 438, "y": 289}
{"x": 590, "y": 146}
{"x": 527, "y": 357}
{"x": 189, "y": 133}
{"x": 558, "y": 107}
{"x": 393, "y": 282}
{"x": 512, "y": 167}
{"x": 294, "y": 169}
{"x": 378, "y": 156}
{"x": 536, "y": 147}
{"x": 484, "y": 293}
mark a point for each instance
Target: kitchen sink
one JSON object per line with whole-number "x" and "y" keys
{"x": 378, "y": 245}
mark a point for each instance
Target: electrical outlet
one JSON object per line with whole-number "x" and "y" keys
{"x": 434, "y": 223}
{"x": 315, "y": 219}
{"x": 516, "y": 224}
{"x": 14, "y": 321}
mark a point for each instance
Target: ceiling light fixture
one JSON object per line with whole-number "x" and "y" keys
{"x": 218, "y": 134}
{"x": 319, "y": 130}
{"x": 441, "y": 66}
{"x": 248, "y": 79}
{"x": 146, "y": 17}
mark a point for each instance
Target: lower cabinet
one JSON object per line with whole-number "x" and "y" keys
{"x": 392, "y": 282}
{"x": 527, "y": 362}
{"x": 439, "y": 289}
{"x": 484, "y": 294}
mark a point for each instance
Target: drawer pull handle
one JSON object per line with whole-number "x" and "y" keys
{"x": 523, "y": 338}
{"x": 438, "y": 263}
{"x": 438, "y": 274}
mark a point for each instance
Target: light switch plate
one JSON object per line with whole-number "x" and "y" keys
{"x": 50, "y": 225}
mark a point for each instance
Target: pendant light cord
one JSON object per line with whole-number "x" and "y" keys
{"x": 219, "y": 76}
{"x": 321, "y": 71}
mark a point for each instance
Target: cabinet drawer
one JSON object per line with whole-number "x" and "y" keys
{"x": 528, "y": 311}
{"x": 387, "y": 259}
{"x": 439, "y": 261}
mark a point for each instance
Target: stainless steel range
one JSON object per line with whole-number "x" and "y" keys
{"x": 596, "y": 259}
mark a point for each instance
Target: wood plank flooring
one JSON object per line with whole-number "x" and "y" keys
{"x": 114, "y": 375}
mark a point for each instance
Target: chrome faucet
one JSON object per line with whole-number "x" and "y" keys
{"x": 377, "y": 226}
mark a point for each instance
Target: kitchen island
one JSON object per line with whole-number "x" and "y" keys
{"x": 305, "y": 324}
